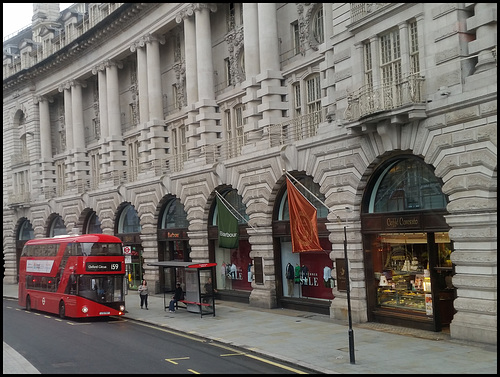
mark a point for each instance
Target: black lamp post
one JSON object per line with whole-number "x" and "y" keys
{"x": 348, "y": 288}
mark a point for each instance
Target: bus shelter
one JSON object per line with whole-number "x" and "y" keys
{"x": 197, "y": 278}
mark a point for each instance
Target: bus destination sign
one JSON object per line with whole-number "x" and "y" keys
{"x": 102, "y": 266}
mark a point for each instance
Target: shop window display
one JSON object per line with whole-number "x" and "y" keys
{"x": 402, "y": 270}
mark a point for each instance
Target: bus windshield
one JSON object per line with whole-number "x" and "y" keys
{"x": 100, "y": 288}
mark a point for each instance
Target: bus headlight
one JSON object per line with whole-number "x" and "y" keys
{"x": 85, "y": 309}
{"x": 122, "y": 308}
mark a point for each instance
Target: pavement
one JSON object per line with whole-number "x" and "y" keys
{"x": 310, "y": 340}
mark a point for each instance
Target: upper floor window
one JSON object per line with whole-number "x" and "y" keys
{"x": 318, "y": 30}
{"x": 296, "y": 37}
{"x": 297, "y": 105}
{"x": 129, "y": 221}
{"x": 414, "y": 55}
{"x": 390, "y": 57}
{"x": 313, "y": 94}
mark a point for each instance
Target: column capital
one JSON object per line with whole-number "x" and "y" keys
{"x": 140, "y": 43}
{"x": 43, "y": 98}
{"x": 64, "y": 86}
{"x": 148, "y": 38}
{"x": 76, "y": 82}
{"x": 98, "y": 68}
{"x": 184, "y": 13}
{"x": 210, "y": 6}
{"x": 190, "y": 9}
{"x": 108, "y": 63}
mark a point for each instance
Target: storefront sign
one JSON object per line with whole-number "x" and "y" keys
{"x": 341, "y": 274}
{"x": 402, "y": 222}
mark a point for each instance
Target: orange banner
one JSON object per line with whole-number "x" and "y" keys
{"x": 303, "y": 221}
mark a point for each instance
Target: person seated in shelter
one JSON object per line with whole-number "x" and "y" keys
{"x": 178, "y": 295}
{"x": 209, "y": 291}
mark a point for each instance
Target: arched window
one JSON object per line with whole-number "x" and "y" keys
{"x": 26, "y": 231}
{"x": 174, "y": 215}
{"x": 405, "y": 185}
{"x": 318, "y": 31}
{"x": 93, "y": 224}
{"x": 57, "y": 227}
{"x": 322, "y": 211}
{"x": 235, "y": 201}
{"x": 129, "y": 221}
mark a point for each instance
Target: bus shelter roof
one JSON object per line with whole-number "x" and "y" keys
{"x": 182, "y": 264}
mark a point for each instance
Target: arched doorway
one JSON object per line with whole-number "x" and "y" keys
{"x": 128, "y": 229}
{"x": 233, "y": 275}
{"x": 406, "y": 246}
{"x": 173, "y": 241}
{"x": 310, "y": 289}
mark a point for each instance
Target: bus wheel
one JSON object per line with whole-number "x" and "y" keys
{"x": 62, "y": 310}
{"x": 28, "y": 303}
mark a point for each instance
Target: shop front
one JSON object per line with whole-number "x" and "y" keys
{"x": 234, "y": 265}
{"x": 407, "y": 248}
{"x": 303, "y": 280}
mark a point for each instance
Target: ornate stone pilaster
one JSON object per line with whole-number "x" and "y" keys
{"x": 100, "y": 70}
{"x": 142, "y": 79}
{"x": 68, "y": 114}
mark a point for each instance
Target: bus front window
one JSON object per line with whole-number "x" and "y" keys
{"x": 101, "y": 288}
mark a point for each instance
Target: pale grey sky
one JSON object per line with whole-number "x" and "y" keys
{"x": 16, "y": 16}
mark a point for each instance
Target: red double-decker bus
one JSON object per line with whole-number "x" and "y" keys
{"x": 73, "y": 276}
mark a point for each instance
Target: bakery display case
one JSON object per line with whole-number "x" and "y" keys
{"x": 398, "y": 298}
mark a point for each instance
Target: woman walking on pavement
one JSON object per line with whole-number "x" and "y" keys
{"x": 143, "y": 293}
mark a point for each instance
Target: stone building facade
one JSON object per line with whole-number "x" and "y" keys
{"x": 127, "y": 118}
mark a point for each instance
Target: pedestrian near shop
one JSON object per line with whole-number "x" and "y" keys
{"x": 143, "y": 293}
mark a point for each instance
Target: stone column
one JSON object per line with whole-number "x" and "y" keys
{"x": 191, "y": 74}
{"x": 46, "y": 167}
{"x": 100, "y": 70}
{"x": 77, "y": 163}
{"x": 252, "y": 69}
{"x": 142, "y": 79}
{"x": 154, "y": 77}
{"x": 68, "y": 117}
{"x": 405, "y": 49}
{"x": 208, "y": 129}
{"x": 113, "y": 99}
{"x": 329, "y": 102}
{"x": 77, "y": 112}
{"x": 270, "y": 75}
{"x": 45, "y": 134}
{"x": 204, "y": 65}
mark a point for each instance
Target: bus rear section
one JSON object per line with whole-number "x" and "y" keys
{"x": 73, "y": 276}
